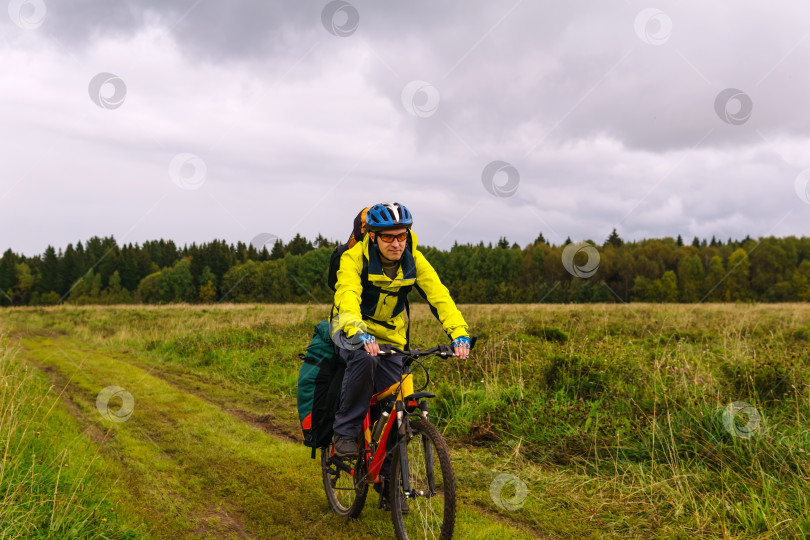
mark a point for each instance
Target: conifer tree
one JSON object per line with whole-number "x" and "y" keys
{"x": 614, "y": 240}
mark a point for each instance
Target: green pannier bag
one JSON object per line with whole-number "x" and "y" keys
{"x": 319, "y": 382}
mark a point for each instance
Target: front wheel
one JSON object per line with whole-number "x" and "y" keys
{"x": 346, "y": 491}
{"x": 432, "y": 502}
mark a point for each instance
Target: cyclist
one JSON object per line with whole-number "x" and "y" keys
{"x": 373, "y": 281}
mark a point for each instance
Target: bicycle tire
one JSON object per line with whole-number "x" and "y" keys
{"x": 346, "y": 498}
{"x": 432, "y": 516}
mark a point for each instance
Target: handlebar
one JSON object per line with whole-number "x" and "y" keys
{"x": 445, "y": 351}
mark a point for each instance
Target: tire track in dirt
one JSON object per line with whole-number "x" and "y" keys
{"x": 206, "y": 513}
{"x": 66, "y": 392}
{"x": 187, "y": 382}
{"x": 59, "y": 381}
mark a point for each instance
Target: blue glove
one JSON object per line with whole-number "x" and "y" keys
{"x": 366, "y": 338}
{"x": 462, "y": 341}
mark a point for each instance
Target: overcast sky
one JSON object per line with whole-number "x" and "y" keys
{"x": 193, "y": 120}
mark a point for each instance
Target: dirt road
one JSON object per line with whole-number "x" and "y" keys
{"x": 203, "y": 459}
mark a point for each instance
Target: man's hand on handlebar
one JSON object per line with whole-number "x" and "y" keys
{"x": 369, "y": 344}
{"x": 461, "y": 347}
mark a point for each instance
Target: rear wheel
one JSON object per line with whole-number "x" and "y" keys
{"x": 346, "y": 491}
{"x": 432, "y": 506}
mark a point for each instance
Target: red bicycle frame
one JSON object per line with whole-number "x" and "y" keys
{"x": 403, "y": 389}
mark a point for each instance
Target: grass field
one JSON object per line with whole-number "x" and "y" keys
{"x": 568, "y": 421}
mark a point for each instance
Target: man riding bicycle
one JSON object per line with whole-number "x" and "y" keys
{"x": 373, "y": 281}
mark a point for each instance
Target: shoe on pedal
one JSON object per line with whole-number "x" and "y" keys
{"x": 345, "y": 447}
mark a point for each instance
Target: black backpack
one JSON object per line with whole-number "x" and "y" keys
{"x": 358, "y": 232}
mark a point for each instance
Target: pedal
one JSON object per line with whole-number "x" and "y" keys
{"x": 381, "y": 488}
{"x": 341, "y": 464}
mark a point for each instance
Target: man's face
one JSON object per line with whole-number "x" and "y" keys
{"x": 392, "y": 251}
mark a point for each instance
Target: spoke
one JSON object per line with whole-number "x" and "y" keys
{"x": 428, "y": 517}
{"x": 343, "y": 487}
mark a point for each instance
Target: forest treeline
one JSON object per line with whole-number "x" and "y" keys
{"x": 657, "y": 270}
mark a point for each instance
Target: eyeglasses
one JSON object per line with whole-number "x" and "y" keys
{"x": 388, "y": 238}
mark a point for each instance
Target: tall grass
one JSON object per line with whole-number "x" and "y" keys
{"x": 618, "y": 412}
{"x": 50, "y": 483}
{"x": 637, "y": 403}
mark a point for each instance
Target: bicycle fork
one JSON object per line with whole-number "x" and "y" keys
{"x": 423, "y": 406}
{"x": 402, "y": 441}
{"x": 404, "y": 435}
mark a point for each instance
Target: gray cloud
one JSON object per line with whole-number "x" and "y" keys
{"x": 605, "y": 129}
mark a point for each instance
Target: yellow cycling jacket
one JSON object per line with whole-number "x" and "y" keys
{"x": 376, "y": 304}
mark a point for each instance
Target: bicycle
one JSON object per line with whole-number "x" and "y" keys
{"x": 415, "y": 445}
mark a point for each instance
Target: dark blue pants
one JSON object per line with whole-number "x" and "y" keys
{"x": 365, "y": 376}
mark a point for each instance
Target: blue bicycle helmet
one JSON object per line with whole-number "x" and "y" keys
{"x": 388, "y": 216}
